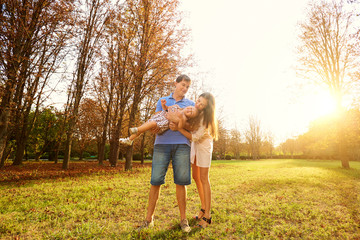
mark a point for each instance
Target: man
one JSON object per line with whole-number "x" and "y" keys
{"x": 171, "y": 145}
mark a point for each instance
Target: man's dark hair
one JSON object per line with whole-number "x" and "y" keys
{"x": 183, "y": 77}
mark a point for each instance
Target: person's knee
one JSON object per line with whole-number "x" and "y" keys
{"x": 195, "y": 176}
{"x": 204, "y": 179}
{"x": 157, "y": 180}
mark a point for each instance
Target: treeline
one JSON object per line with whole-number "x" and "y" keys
{"x": 120, "y": 56}
{"x": 321, "y": 141}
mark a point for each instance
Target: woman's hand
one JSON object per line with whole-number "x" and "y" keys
{"x": 173, "y": 126}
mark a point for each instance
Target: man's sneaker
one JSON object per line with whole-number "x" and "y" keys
{"x": 145, "y": 224}
{"x": 126, "y": 141}
{"x": 133, "y": 130}
{"x": 184, "y": 224}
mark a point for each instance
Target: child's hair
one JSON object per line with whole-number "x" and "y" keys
{"x": 210, "y": 120}
{"x": 183, "y": 77}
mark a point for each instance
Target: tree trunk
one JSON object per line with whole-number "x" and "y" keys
{"x": 53, "y": 154}
{"x": 3, "y": 133}
{"x": 56, "y": 156}
{"x": 20, "y": 150}
{"x": 5, "y": 152}
{"x": 37, "y": 156}
{"x": 129, "y": 158}
{"x": 114, "y": 150}
{"x": 81, "y": 155}
{"x": 101, "y": 148}
{"x": 341, "y": 133}
{"x": 4, "y": 116}
{"x": 342, "y": 147}
{"x": 67, "y": 152}
{"x": 114, "y": 142}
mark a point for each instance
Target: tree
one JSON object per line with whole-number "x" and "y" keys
{"x": 289, "y": 147}
{"x": 235, "y": 143}
{"x": 44, "y": 132}
{"x": 329, "y": 52}
{"x": 91, "y": 19}
{"x": 120, "y": 34}
{"x": 254, "y": 137}
{"x": 32, "y": 35}
{"x": 88, "y": 125}
{"x": 268, "y": 144}
{"x": 221, "y": 145}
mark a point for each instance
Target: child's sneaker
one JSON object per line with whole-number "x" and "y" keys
{"x": 126, "y": 141}
{"x": 133, "y": 130}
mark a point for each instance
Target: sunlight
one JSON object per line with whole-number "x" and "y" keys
{"x": 320, "y": 104}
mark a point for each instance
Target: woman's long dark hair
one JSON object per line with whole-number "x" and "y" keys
{"x": 210, "y": 120}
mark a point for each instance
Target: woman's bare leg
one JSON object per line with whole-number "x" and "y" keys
{"x": 199, "y": 186}
{"x": 205, "y": 181}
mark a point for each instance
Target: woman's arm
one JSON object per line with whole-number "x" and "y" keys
{"x": 174, "y": 127}
{"x": 187, "y": 134}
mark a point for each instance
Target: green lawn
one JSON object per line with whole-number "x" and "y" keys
{"x": 265, "y": 199}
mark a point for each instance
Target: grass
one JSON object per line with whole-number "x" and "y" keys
{"x": 266, "y": 199}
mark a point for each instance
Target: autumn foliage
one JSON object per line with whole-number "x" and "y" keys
{"x": 47, "y": 170}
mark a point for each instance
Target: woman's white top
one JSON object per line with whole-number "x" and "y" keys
{"x": 201, "y": 147}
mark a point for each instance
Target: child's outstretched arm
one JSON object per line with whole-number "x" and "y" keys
{"x": 163, "y": 104}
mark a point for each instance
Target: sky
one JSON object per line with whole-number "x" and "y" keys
{"x": 247, "y": 50}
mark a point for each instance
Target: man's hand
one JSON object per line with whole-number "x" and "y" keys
{"x": 155, "y": 130}
{"x": 172, "y": 116}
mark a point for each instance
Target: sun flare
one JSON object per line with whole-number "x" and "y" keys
{"x": 320, "y": 104}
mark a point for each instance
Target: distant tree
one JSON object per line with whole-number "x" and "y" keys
{"x": 352, "y": 125}
{"x": 289, "y": 147}
{"x": 44, "y": 132}
{"x": 329, "y": 52}
{"x": 268, "y": 144}
{"x": 235, "y": 143}
{"x": 254, "y": 136}
{"x": 221, "y": 145}
{"x": 88, "y": 125}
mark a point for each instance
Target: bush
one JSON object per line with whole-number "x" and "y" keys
{"x": 137, "y": 156}
{"x": 228, "y": 157}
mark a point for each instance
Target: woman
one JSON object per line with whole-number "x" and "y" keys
{"x": 203, "y": 132}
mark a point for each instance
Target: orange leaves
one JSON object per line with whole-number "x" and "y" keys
{"x": 49, "y": 170}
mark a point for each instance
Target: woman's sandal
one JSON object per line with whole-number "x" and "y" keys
{"x": 207, "y": 220}
{"x": 197, "y": 217}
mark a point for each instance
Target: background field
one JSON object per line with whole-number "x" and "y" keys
{"x": 265, "y": 199}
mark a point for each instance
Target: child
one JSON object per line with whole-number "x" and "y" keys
{"x": 159, "y": 120}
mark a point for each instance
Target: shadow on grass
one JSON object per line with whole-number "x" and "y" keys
{"x": 333, "y": 165}
{"x": 174, "y": 232}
